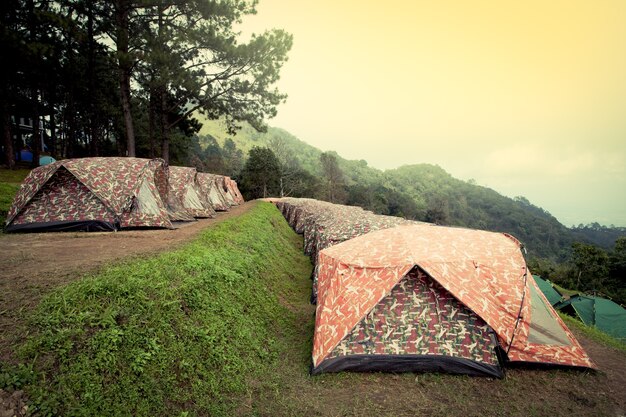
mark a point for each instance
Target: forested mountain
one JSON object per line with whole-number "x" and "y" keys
{"x": 428, "y": 192}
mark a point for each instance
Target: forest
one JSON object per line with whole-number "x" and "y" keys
{"x": 127, "y": 77}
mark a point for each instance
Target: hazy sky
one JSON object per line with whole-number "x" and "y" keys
{"x": 525, "y": 97}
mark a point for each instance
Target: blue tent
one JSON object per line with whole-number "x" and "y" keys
{"x": 45, "y": 160}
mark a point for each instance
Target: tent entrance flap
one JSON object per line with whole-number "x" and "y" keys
{"x": 544, "y": 329}
{"x": 63, "y": 203}
{"x": 418, "y": 326}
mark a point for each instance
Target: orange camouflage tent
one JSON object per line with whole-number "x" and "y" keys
{"x": 431, "y": 298}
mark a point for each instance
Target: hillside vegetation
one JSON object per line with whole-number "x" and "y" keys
{"x": 433, "y": 193}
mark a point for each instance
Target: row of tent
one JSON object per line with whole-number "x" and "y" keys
{"x": 397, "y": 295}
{"x": 100, "y": 194}
{"x": 592, "y": 310}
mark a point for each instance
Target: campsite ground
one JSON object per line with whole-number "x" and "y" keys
{"x": 33, "y": 265}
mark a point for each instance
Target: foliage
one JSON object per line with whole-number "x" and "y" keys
{"x": 182, "y": 331}
{"x": 260, "y": 176}
{"x": 333, "y": 179}
{"x": 599, "y": 235}
{"x": 294, "y": 180}
{"x": 451, "y": 201}
{"x": 206, "y": 155}
{"x": 589, "y": 270}
{"x": 428, "y": 192}
{"x": 71, "y": 61}
{"x": 9, "y": 185}
{"x": 382, "y": 200}
{"x": 590, "y": 262}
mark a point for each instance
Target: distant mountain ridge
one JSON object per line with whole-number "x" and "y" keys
{"x": 462, "y": 203}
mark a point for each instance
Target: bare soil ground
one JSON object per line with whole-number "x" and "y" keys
{"x": 31, "y": 265}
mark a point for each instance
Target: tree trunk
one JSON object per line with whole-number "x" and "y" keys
{"x": 7, "y": 138}
{"x": 36, "y": 132}
{"x": 152, "y": 129}
{"x": 52, "y": 146}
{"x": 34, "y": 93}
{"x": 94, "y": 148}
{"x": 165, "y": 151}
{"x": 70, "y": 126}
{"x": 125, "y": 68}
{"x": 128, "y": 119}
{"x": 162, "y": 97}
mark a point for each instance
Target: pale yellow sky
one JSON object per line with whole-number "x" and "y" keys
{"x": 526, "y": 97}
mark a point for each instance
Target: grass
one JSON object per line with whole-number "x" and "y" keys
{"x": 565, "y": 291}
{"x": 10, "y": 181}
{"x": 13, "y": 176}
{"x": 187, "y": 331}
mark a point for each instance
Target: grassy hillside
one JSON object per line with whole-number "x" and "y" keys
{"x": 247, "y": 137}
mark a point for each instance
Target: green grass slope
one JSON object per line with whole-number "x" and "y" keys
{"x": 10, "y": 181}
{"x": 247, "y": 137}
{"x": 183, "y": 331}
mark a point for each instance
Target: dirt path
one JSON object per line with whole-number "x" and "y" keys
{"x": 31, "y": 265}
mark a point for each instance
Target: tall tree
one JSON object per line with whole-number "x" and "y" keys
{"x": 334, "y": 180}
{"x": 123, "y": 11}
{"x": 195, "y": 61}
{"x": 592, "y": 266}
{"x": 260, "y": 175}
{"x": 291, "y": 171}
{"x": 10, "y": 52}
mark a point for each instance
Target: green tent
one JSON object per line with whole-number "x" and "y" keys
{"x": 548, "y": 290}
{"x": 604, "y": 314}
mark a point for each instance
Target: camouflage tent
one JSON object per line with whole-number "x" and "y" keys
{"x": 175, "y": 206}
{"x": 226, "y": 188}
{"x": 430, "y": 298}
{"x": 92, "y": 194}
{"x": 325, "y": 224}
{"x": 234, "y": 190}
{"x": 184, "y": 187}
{"x": 210, "y": 189}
